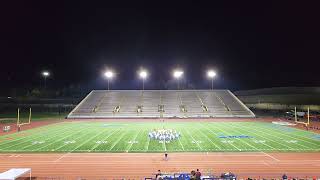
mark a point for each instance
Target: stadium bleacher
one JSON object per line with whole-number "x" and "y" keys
{"x": 160, "y": 103}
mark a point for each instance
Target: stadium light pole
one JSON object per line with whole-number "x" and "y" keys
{"x": 178, "y": 74}
{"x": 109, "y": 75}
{"x": 143, "y": 75}
{"x": 211, "y": 74}
{"x": 45, "y": 74}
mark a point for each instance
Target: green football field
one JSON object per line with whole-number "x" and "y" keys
{"x": 133, "y": 137}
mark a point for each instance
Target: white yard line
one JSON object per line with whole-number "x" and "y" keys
{"x": 279, "y": 137}
{"x": 98, "y": 134}
{"x": 96, "y": 145}
{"x": 275, "y": 137}
{"x": 302, "y": 131}
{"x": 118, "y": 140}
{"x": 181, "y": 143}
{"x": 32, "y": 137}
{"x": 194, "y": 140}
{"x": 55, "y": 141}
{"x": 295, "y": 137}
{"x": 243, "y": 140}
{"x": 147, "y": 145}
{"x": 31, "y": 132}
{"x": 209, "y": 138}
{"x": 79, "y": 137}
{"x": 252, "y": 130}
{"x": 164, "y": 146}
{"x": 227, "y": 142}
{"x": 134, "y": 139}
{"x": 37, "y": 137}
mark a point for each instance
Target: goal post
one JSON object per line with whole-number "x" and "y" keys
{"x": 302, "y": 119}
{"x": 19, "y": 122}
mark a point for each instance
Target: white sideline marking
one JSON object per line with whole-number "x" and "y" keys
{"x": 271, "y": 156}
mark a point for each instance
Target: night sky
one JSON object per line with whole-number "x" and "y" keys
{"x": 251, "y": 44}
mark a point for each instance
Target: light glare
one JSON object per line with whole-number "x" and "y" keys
{"x": 108, "y": 74}
{"x": 143, "y": 74}
{"x": 45, "y": 73}
{"x": 211, "y": 74}
{"x": 177, "y": 74}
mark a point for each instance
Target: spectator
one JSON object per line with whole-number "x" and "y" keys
{"x": 158, "y": 174}
{"x": 198, "y": 175}
{"x": 284, "y": 177}
{"x": 193, "y": 175}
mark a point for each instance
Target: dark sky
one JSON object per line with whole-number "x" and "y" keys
{"x": 252, "y": 44}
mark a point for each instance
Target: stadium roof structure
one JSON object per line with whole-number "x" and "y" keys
{"x": 160, "y": 104}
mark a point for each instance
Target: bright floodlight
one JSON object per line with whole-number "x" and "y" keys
{"x": 45, "y": 73}
{"x": 108, "y": 74}
{"x": 177, "y": 74}
{"x": 211, "y": 74}
{"x": 143, "y": 74}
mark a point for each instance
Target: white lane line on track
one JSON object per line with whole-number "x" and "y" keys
{"x": 64, "y": 155}
{"x": 272, "y": 157}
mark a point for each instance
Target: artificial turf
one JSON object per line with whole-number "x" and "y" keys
{"x": 133, "y": 137}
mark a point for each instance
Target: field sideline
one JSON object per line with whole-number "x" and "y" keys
{"x": 133, "y": 137}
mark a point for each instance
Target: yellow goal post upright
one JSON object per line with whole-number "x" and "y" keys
{"x": 296, "y": 117}
{"x": 18, "y": 118}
